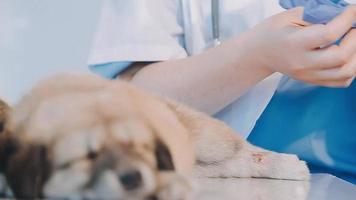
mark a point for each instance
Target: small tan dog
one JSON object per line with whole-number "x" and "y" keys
{"x": 83, "y": 136}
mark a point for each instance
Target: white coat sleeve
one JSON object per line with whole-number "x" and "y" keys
{"x": 138, "y": 30}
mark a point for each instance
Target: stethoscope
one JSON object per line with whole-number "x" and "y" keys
{"x": 215, "y": 22}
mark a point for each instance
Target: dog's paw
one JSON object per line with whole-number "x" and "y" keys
{"x": 287, "y": 166}
{"x": 174, "y": 187}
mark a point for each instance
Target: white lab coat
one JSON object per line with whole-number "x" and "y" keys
{"x": 158, "y": 30}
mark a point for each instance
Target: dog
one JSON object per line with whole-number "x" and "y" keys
{"x": 86, "y": 137}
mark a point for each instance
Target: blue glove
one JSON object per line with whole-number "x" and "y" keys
{"x": 317, "y": 11}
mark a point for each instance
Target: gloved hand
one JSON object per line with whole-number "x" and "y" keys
{"x": 287, "y": 44}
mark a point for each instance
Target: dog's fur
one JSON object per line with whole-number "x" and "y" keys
{"x": 4, "y": 109}
{"x": 83, "y": 136}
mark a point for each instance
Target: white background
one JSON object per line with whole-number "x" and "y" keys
{"x": 41, "y": 37}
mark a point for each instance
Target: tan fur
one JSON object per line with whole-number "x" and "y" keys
{"x": 74, "y": 114}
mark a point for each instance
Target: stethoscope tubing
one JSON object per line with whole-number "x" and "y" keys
{"x": 215, "y": 12}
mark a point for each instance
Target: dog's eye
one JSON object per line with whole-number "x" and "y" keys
{"x": 163, "y": 157}
{"x": 92, "y": 155}
{"x": 65, "y": 165}
{"x": 152, "y": 197}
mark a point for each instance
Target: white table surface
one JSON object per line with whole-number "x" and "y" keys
{"x": 321, "y": 187}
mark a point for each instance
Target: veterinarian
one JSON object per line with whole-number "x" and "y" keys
{"x": 222, "y": 57}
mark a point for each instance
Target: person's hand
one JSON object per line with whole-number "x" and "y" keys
{"x": 284, "y": 43}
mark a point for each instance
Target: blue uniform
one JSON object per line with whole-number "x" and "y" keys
{"x": 316, "y": 123}
{"x": 110, "y": 70}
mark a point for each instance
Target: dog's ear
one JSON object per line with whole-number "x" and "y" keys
{"x": 163, "y": 156}
{"x": 2, "y": 126}
{"x": 8, "y": 147}
{"x": 28, "y": 170}
{"x": 4, "y": 109}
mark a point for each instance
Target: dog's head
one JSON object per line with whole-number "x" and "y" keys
{"x": 87, "y": 138}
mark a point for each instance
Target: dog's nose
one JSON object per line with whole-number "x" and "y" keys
{"x": 131, "y": 180}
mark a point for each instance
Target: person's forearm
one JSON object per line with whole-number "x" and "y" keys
{"x": 208, "y": 81}
{"x": 282, "y": 43}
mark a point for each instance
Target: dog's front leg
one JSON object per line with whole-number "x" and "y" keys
{"x": 254, "y": 162}
{"x": 223, "y": 153}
